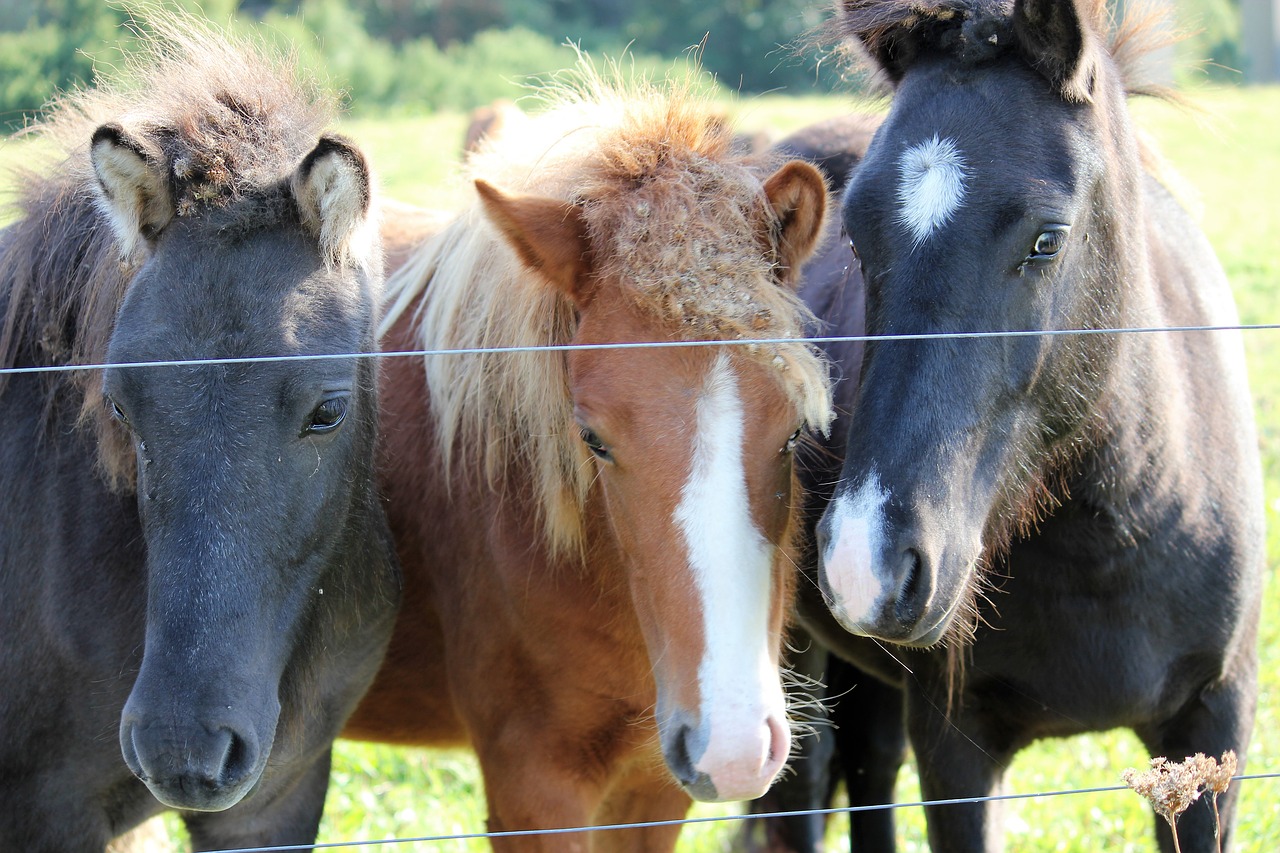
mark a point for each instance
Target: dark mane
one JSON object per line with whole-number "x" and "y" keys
{"x": 959, "y": 27}
{"x": 225, "y": 121}
{"x": 973, "y": 31}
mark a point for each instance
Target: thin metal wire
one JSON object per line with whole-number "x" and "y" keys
{"x": 474, "y": 836}
{"x": 67, "y": 368}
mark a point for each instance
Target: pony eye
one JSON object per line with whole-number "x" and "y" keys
{"x": 594, "y": 444}
{"x": 1051, "y": 241}
{"x": 792, "y": 441}
{"x": 117, "y": 412}
{"x": 327, "y": 416}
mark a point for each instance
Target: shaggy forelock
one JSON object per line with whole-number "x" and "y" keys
{"x": 229, "y": 118}
{"x": 678, "y": 219}
{"x": 229, "y": 121}
{"x": 1144, "y": 29}
{"x": 672, "y": 214}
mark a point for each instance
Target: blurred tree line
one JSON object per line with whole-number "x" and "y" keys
{"x": 425, "y": 55}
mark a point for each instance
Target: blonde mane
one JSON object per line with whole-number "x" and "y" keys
{"x": 673, "y": 214}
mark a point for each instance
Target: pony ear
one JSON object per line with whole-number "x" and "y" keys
{"x": 797, "y": 193}
{"x": 890, "y": 45}
{"x": 133, "y": 188}
{"x": 334, "y": 192}
{"x": 1056, "y": 40}
{"x": 548, "y": 235}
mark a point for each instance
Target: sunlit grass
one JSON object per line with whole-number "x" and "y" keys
{"x": 415, "y": 159}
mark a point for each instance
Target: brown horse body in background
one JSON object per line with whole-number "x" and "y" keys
{"x": 598, "y": 543}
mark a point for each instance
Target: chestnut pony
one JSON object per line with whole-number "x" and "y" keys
{"x": 598, "y": 542}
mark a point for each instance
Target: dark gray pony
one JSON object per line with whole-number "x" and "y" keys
{"x": 1059, "y": 533}
{"x": 194, "y": 566}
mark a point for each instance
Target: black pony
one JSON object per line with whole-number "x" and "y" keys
{"x": 194, "y": 565}
{"x": 1060, "y": 533}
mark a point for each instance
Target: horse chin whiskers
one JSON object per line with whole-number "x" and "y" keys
{"x": 957, "y": 642}
{"x": 795, "y": 679}
{"x": 790, "y": 646}
{"x": 806, "y": 709}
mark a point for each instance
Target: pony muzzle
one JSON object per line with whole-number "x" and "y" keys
{"x": 727, "y": 763}
{"x": 193, "y": 765}
{"x": 879, "y": 582}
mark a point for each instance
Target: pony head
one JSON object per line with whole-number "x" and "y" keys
{"x": 1000, "y": 194}
{"x": 201, "y": 213}
{"x": 626, "y": 218}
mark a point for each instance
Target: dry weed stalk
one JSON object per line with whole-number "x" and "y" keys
{"x": 1172, "y": 787}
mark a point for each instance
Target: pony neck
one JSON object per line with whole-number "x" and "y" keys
{"x": 1143, "y": 437}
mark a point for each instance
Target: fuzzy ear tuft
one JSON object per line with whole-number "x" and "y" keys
{"x": 133, "y": 187}
{"x": 333, "y": 189}
{"x": 1056, "y": 40}
{"x": 888, "y": 38}
{"x": 797, "y": 193}
{"x": 548, "y": 235}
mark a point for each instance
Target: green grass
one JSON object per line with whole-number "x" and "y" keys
{"x": 1229, "y": 156}
{"x": 416, "y": 159}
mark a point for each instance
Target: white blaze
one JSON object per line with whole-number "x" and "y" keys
{"x": 932, "y": 186}
{"x": 857, "y": 538}
{"x": 731, "y": 561}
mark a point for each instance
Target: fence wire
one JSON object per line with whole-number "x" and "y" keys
{"x": 489, "y": 836}
{"x": 637, "y": 345}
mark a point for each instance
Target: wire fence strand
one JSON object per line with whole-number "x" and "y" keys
{"x": 635, "y": 345}
{"x": 523, "y": 833}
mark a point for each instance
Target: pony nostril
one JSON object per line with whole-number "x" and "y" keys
{"x": 678, "y": 758}
{"x": 913, "y": 587}
{"x": 131, "y": 751}
{"x": 679, "y": 754}
{"x": 239, "y": 760}
{"x": 779, "y": 746}
{"x": 224, "y": 751}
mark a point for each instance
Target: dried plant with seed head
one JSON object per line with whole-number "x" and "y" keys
{"x": 1172, "y": 787}
{"x": 1220, "y": 776}
{"x": 1217, "y": 776}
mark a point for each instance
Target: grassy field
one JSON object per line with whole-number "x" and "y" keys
{"x": 1229, "y": 156}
